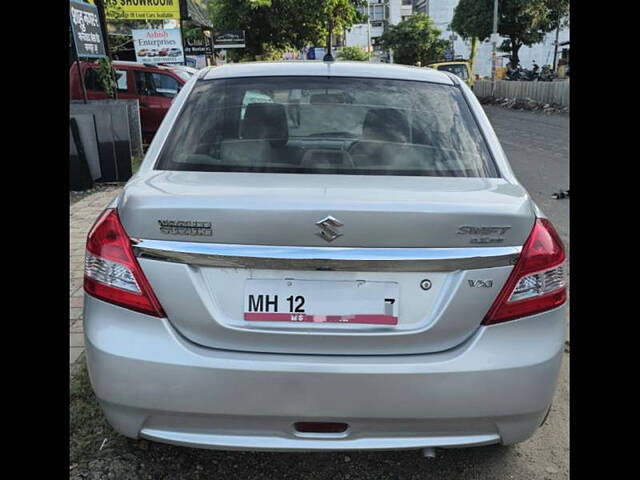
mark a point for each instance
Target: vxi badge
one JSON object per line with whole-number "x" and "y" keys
{"x": 185, "y": 227}
{"x": 483, "y": 234}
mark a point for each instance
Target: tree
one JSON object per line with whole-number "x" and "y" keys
{"x": 277, "y": 25}
{"x": 357, "y": 54}
{"x": 523, "y": 22}
{"x": 475, "y": 43}
{"x": 414, "y": 40}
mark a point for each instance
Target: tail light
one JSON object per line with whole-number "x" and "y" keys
{"x": 537, "y": 282}
{"x": 111, "y": 271}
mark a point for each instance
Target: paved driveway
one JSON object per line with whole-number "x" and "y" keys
{"x": 82, "y": 214}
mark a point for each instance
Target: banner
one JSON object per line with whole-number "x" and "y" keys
{"x": 142, "y": 9}
{"x": 158, "y": 46}
{"x": 231, "y": 39}
{"x": 197, "y": 46}
{"x": 85, "y": 27}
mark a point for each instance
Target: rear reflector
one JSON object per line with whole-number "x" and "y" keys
{"x": 111, "y": 271}
{"x": 537, "y": 282}
{"x": 320, "y": 427}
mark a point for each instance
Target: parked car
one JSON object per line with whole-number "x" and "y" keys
{"x": 153, "y": 86}
{"x": 375, "y": 278}
{"x": 459, "y": 68}
{"x": 182, "y": 70}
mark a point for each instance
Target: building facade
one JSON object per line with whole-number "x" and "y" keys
{"x": 384, "y": 13}
{"x": 542, "y": 53}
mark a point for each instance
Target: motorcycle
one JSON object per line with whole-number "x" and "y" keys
{"x": 547, "y": 75}
{"x": 531, "y": 75}
{"x": 513, "y": 74}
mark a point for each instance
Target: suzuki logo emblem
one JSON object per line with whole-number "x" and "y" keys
{"x": 328, "y": 226}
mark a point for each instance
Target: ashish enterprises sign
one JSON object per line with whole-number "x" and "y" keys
{"x": 142, "y": 9}
{"x": 158, "y": 46}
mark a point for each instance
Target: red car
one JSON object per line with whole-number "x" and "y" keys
{"x": 153, "y": 86}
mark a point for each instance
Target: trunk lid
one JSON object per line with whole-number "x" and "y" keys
{"x": 395, "y": 232}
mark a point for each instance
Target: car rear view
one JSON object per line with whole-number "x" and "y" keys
{"x": 324, "y": 256}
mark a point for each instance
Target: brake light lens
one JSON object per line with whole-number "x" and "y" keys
{"x": 537, "y": 282}
{"x": 111, "y": 271}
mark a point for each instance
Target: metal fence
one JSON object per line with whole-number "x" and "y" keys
{"x": 543, "y": 92}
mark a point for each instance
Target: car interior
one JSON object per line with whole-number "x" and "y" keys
{"x": 265, "y": 136}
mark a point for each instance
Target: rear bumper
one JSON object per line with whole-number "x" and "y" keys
{"x": 152, "y": 383}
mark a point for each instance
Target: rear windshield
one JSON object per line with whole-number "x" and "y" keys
{"x": 327, "y": 125}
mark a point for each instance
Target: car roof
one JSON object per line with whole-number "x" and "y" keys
{"x": 125, "y": 63}
{"x": 453, "y": 62}
{"x": 319, "y": 68}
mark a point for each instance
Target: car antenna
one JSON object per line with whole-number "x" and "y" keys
{"x": 328, "y": 57}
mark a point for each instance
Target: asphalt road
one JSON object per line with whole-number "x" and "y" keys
{"x": 537, "y": 146}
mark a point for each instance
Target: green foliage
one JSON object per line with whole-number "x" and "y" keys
{"x": 414, "y": 40}
{"x": 273, "y": 26}
{"x": 524, "y": 22}
{"x": 191, "y": 31}
{"x": 105, "y": 76}
{"x": 356, "y": 54}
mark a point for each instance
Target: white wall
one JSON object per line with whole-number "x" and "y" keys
{"x": 358, "y": 36}
{"x": 442, "y": 13}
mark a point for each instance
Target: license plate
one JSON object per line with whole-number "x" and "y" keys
{"x": 321, "y": 301}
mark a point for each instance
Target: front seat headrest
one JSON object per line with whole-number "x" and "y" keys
{"x": 268, "y": 121}
{"x": 386, "y": 124}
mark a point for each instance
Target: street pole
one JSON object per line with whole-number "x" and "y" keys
{"x": 369, "y": 29}
{"x": 493, "y": 47}
{"x": 184, "y": 55}
{"x": 452, "y": 38}
{"x": 103, "y": 26}
{"x": 555, "y": 48}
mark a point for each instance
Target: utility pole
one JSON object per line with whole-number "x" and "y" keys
{"x": 103, "y": 26}
{"x": 369, "y": 29}
{"x": 494, "y": 38}
{"x": 452, "y": 39}
{"x": 555, "y": 48}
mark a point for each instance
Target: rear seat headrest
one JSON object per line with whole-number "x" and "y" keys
{"x": 386, "y": 124}
{"x": 266, "y": 120}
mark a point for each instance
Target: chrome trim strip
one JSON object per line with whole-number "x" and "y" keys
{"x": 326, "y": 258}
{"x": 276, "y": 442}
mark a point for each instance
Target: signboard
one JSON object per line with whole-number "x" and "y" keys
{"x": 85, "y": 27}
{"x": 197, "y": 46}
{"x": 142, "y": 9}
{"x": 231, "y": 39}
{"x": 158, "y": 45}
{"x": 197, "y": 61}
{"x": 448, "y": 55}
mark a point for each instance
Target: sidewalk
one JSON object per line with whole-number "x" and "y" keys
{"x": 82, "y": 214}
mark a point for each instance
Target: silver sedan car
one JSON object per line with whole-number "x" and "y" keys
{"x": 357, "y": 268}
